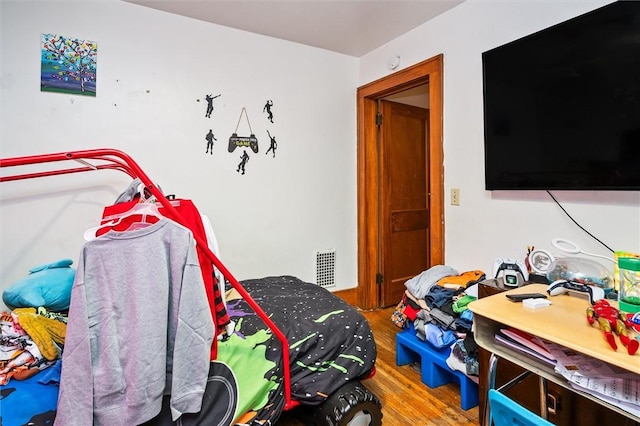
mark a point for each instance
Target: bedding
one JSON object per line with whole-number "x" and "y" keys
{"x": 31, "y": 401}
{"x": 30, "y": 345}
{"x": 330, "y": 343}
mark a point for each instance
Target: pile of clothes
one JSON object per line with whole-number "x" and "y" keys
{"x": 434, "y": 306}
{"x": 32, "y": 336}
{"x": 31, "y": 340}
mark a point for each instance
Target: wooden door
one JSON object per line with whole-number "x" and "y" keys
{"x": 404, "y": 216}
{"x": 428, "y": 72}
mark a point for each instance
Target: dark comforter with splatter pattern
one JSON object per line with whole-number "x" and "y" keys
{"x": 330, "y": 343}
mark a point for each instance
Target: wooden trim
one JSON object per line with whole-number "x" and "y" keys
{"x": 349, "y": 295}
{"x": 429, "y": 71}
{"x": 436, "y": 166}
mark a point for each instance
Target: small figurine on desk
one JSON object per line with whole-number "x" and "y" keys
{"x": 612, "y": 320}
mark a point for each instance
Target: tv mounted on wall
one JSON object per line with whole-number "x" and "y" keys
{"x": 562, "y": 106}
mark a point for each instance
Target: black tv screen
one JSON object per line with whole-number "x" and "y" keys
{"x": 562, "y": 106}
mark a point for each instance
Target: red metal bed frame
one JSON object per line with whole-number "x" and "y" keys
{"x": 112, "y": 159}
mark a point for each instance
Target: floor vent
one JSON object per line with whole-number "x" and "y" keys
{"x": 326, "y": 268}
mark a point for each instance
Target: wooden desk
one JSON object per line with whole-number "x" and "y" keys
{"x": 564, "y": 323}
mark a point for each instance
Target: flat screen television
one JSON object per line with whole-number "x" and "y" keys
{"x": 562, "y": 105}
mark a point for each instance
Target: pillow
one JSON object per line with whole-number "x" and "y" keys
{"x": 46, "y": 285}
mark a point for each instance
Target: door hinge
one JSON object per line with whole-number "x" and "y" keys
{"x": 378, "y": 119}
{"x": 379, "y": 278}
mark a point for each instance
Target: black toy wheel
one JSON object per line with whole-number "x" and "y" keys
{"x": 351, "y": 405}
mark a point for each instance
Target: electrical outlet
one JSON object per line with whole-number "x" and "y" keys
{"x": 455, "y": 196}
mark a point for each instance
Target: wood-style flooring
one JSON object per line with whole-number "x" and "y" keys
{"x": 406, "y": 401}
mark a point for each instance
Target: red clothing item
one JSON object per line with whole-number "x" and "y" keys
{"x": 192, "y": 220}
{"x": 411, "y": 312}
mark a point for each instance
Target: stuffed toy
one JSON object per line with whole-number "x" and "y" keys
{"x": 46, "y": 285}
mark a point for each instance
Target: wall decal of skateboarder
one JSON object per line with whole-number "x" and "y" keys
{"x": 209, "y": 100}
{"x": 273, "y": 145}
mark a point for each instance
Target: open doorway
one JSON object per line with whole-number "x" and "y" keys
{"x": 375, "y": 221}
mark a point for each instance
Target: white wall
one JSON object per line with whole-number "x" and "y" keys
{"x": 153, "y": 67}
{"x": 154, "y": 70}
{"x": 495, "y": 224}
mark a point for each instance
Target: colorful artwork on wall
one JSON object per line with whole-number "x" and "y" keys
{"x": 68, "y": 65}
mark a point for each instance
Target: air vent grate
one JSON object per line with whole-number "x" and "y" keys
{"x": 326, "y": 268}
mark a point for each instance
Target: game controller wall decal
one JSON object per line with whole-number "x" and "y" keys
{"x": 244, "y": 141}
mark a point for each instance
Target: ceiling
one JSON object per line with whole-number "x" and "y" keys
{"x": 351, "y": 27}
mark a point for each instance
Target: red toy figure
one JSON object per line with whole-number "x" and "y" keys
{"x": 612, "y": 320}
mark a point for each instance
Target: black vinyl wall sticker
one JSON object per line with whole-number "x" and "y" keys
{"x": 243, "y": 141}
{"x": 267, "y": 110}
{"x": 273, "y": 146}
{"x": 209, "y": 137}
{"x": 244, "y": 158}
{"x": 209, "y": 99}
{"x": 236, "y": 140}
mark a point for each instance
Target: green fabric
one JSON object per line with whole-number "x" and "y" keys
{"x": 461, "y": 304}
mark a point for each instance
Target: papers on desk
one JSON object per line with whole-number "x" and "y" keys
{"x": 525, "y": 343}
{"x": 612, "y": 384}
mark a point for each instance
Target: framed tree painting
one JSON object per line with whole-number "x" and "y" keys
{"x": 68, "y": 65}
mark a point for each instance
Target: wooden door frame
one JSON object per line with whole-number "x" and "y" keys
{"x": 429, "y": 71}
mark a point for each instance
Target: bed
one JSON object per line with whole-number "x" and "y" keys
{"x": 290, "y": 343}
{"x": 330, "y": 343}
{"x": 331, "y": 348}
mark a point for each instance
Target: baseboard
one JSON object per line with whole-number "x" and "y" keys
{"x": 350, "y": 296}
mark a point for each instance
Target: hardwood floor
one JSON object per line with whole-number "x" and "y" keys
{"x": 405, "y": 399}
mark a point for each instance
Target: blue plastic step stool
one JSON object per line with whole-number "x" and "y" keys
{"x": 434, "y": 370}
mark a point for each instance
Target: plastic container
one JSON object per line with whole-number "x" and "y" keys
{"x": 582, "y": 271}
{"x": 629, "y": 295}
